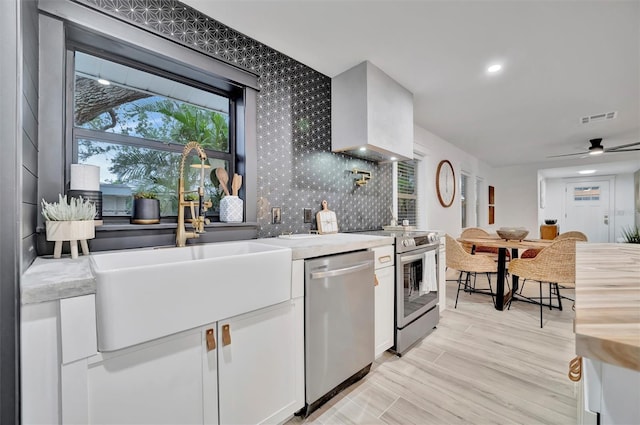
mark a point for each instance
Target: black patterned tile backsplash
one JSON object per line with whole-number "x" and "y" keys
{"x": 296, "y": 168}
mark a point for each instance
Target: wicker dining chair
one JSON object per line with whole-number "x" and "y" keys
{"x": 574, "y": 234}
{"x": 555, "y": 264}
{"x": 467, "y": 264}
{"x": 477, "y": 232}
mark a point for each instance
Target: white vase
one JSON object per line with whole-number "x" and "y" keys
{"x": 231, "y": 209}
{"x": 72, "y": 231}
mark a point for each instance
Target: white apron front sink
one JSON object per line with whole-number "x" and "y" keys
{"x": 146, "y": 294}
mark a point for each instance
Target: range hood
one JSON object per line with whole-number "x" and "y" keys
{"x": 371, "y": 115}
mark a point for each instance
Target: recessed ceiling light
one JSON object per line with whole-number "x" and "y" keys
{"x": 104, "y": 82}
{"x": 393, "y": 158}
{"x": 586, "y": 171}
{"x": 494, "y": 68}
{"x": 362, "y": 149}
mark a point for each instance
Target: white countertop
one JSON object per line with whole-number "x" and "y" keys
{"x": 319, "y": 245}
{"x": 49, "y": 279}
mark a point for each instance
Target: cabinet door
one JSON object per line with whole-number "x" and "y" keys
{"x": 261, "y": 365}
{"x": 160, "y": 382}
{"x": 384, "y": 308}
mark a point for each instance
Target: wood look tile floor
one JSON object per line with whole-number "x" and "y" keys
{"x": 480, "y": 366}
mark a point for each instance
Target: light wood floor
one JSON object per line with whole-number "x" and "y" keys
{"x": 480, "y": 366}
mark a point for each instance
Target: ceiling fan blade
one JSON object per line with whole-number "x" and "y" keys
{"x": 615, "y": 148}
{"x": 621, "y": 150}
{"x": 568, "y": 154}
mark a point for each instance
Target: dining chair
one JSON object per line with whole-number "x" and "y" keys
{"x": 477, "y": 232}
{"x": 554, "y": 265}
{"x": 467, "y": 264}
{"x": 574, "y": 234}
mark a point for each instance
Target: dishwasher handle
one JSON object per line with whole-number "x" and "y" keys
{"x": 342, "y": 271}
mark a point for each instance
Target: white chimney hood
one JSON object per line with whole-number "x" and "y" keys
{"x": 371, "y": 115}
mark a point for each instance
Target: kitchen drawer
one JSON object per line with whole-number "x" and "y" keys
{"x": 384, "y": 256}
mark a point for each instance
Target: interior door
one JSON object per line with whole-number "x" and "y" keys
{"x": 588, "y": 209}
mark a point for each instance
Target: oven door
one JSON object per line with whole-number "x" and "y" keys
{"x": 417, "y": 283}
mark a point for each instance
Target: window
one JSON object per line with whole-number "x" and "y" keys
{"x": 134, "y": 125}
{"x": 407, "y": 192}
{"x": 464, "y": 192}
{"x": 586, "y": 193}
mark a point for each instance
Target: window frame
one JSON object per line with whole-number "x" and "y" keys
{"x": 76, "y": 133}
{"x": 415, "y": 196}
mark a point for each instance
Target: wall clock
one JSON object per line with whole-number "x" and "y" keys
{"x": 445, "y": 183}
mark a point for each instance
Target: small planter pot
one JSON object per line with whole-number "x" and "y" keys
{"x": 146, "y": 211}
{"x": 72, "y": 231}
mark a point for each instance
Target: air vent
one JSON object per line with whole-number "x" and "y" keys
{"x": 598, "y": 117}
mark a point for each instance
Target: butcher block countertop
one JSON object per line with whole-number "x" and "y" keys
{"x": 607, "y": 323}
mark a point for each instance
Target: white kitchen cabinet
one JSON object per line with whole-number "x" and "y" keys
{"x": 611, "y": 392}
{"x": 166, "y": 381}
{"x": 256, "y": 372}
{"x": 384, "y": 298}
{"x": 260, "y": 370}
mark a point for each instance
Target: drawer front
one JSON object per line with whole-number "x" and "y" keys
{"x": 384, "y": 256}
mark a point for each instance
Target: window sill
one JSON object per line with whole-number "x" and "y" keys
{"x": 122, "y": 235}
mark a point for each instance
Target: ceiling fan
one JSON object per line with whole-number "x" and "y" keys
{"x": 596, "y": 148}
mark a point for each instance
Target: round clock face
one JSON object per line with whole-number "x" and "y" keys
{"x": 445, "y": 183}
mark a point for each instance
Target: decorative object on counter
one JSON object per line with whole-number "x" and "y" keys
{"x": 549, "y": 222}
{"x": 146, "y": 208}
{"x": 326, "y": 220}
{"x": 85, "y": 183}
{"x": 71, "y": 221}
{"x": 512, "y": 233}
{"x": 394, "y": 218}
{"x": 85, "y": 177}
{"x": 445, "y": 183}
{"x": 631, "y": 234}
{"x": 365, "y": 176}
{"x": 231, "y": 206}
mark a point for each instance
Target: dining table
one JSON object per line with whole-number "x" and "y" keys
{"x": 501, "y": 298}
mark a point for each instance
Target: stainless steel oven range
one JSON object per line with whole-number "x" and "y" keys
{"x": 416, "y": 297}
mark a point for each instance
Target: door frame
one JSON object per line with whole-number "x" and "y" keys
{"x": 612, "y": 206}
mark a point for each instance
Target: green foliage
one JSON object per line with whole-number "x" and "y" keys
{"x": 145, "y": 195}
{"x": 631, "y": 234}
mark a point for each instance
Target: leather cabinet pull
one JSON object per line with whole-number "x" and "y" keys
{"x": 211, "y": 340}
{"x": 226, "y": 335}
{"x": 575, "y": 369}
{"x": 375, "y": 282}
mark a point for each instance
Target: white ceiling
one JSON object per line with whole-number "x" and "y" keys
{"x": 561, "y": 60}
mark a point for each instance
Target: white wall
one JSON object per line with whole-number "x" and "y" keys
{"x": 433, "y": 215}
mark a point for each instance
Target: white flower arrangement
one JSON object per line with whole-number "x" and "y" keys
{"x": 77, "y": 209}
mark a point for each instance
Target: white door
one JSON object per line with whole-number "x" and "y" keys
{"x": 587, "y": 209}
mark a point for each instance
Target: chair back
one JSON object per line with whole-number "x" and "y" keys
{"x": 556, "y": 263}
{"x": 471, "y": 233}
{"x": 572, "y": 235}
{"x": 459, "y": 259}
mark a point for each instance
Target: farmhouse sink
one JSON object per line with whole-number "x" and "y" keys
{"x": 146, "y": 294}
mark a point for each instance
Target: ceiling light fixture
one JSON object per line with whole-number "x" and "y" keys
{"x": 494, "y": 68}
{"x": 362, "y": 149}
{"x": 393, "y": 158}
{"x": 104, "y": 82}
{"x": 596, "y": 150}
{"x": 586, "y": 171}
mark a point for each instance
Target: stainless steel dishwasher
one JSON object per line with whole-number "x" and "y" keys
{"x": 339, "y": 320}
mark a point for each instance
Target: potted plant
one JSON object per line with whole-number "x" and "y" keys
{"x": 631, "y": 234}
{"x": 69, "y": 220}
{"x": 146, "y": 208}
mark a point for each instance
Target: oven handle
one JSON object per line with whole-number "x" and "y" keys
{"x": 409, "y": 258}
{"x": 340, "y": 272}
